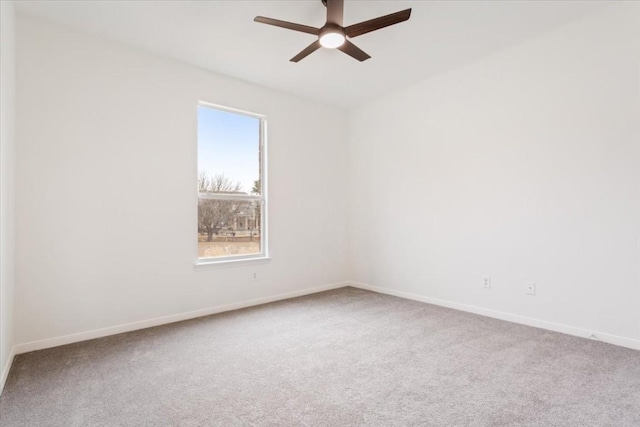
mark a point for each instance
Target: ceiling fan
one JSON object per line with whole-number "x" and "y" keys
{"x": 333, "y": 34}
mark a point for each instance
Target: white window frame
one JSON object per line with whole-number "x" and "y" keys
{"x": 262, "y": 198}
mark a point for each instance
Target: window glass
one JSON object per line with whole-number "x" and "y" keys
{"x": 230, "y": 184}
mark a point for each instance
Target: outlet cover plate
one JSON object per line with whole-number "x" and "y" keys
{"x": 531, "y": 289}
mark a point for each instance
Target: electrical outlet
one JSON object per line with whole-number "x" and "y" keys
{"x": 487, "y": 282}
{"x": 531, "y": 289}
{"x": 254, "y": 276}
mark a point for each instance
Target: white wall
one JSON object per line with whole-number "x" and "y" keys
{"x": 523, "y": 166}
{"x": 7, "y": 185}
{"x": 106, "y": 184}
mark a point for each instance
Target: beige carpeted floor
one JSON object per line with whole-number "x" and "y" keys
{"x": 341, "y": 358}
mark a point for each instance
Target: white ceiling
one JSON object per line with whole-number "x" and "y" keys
{"x": 221, "y": 36}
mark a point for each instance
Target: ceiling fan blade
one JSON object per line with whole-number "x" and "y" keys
{"x": 306, "y": 51}
{"x": 361, "y": 28}
{"x": 335, "y": 12}
{"x": 288, "y": 25}
{"x": 354, "y": 51}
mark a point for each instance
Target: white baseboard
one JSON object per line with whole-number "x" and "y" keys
{"x": 128, "y": 327}
{"x": 98, "y": 333}
{"x": 510, "y": 317}
{"x": 5, "y": 369}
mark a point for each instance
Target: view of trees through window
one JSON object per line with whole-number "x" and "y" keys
{"x": 230, "y": 196}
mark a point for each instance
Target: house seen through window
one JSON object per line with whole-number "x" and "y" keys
{"x": 231, "y": 193}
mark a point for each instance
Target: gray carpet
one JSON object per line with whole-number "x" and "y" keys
{"x": 341, "y": 358}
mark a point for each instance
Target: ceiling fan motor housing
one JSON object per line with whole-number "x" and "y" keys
{"x": 332, "y": 28}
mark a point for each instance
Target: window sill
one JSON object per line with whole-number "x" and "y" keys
{"x": 227, "y": 263}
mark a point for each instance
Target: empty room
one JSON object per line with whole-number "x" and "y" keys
{"x": 319, "y": 213}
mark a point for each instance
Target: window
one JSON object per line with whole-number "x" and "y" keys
{"x": 231, "y": 184}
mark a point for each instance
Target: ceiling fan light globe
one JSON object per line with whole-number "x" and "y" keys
{"x": 332, "y": 40}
